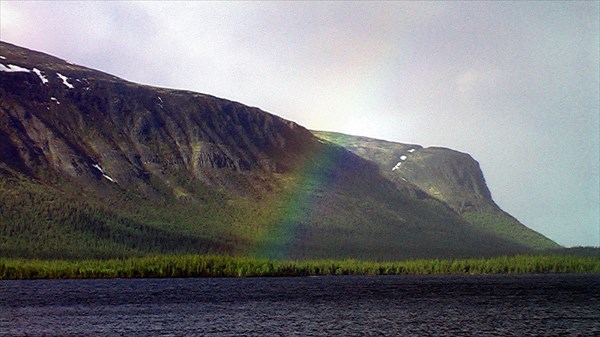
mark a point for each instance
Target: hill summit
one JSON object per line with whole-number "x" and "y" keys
{"x": 92, "y": 165}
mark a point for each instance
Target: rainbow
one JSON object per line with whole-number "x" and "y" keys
{"x": 298, "y": 204}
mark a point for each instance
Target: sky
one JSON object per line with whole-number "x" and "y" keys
{"x": 514, "y": 84}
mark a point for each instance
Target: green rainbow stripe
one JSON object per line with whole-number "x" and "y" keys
{"x": 297, "y": 205}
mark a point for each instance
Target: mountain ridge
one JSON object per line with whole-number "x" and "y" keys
{"x": 132, "y": 169}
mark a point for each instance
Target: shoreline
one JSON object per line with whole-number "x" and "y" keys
{"x": 205, "y": 266}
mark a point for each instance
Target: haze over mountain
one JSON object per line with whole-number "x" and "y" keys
{"x": 95, "y": 166}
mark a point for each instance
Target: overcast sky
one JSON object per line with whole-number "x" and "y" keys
{"x": 515, "y": 84}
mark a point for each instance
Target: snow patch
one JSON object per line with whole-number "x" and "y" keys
{"x": 404, "y": 179}
{"x": 411, "y": 150}
{"x": 11, "y": 68}
{"x": 103, "y": 173}
{"x": 55, "y": 100}
{"x": 403, "y": 157}
{"x": 98, "y": 168}
{"x": 160, "y": 99}
{"x": 64, "y": 79}
{"x": 43, "y": 78}
{"x": 2, "y": 57}
{"x": 397, "y": 166}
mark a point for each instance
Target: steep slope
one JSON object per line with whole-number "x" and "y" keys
{"x": 87, "y": 124}
{"x": 447, "y": 175}
{"x": 95, "y": 166}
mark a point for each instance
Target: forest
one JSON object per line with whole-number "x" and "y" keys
{"x": 162, "y": 266}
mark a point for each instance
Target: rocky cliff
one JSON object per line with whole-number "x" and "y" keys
{"x": 88, "y": 125}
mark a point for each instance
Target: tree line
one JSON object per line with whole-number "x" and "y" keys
{"x": 162, "y": 266}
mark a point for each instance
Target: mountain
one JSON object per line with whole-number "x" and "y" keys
{"x": 447, "y": 175}
{"x": 92, "y": 165}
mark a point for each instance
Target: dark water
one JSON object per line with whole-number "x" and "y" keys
{"x": 532, "y": 305}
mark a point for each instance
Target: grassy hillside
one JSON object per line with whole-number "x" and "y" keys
{"x": 446, "y": 175}
{"x": 504, "y": 225}
{"x": 311, "y": 214}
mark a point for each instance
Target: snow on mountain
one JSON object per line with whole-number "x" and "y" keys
{"x": 43, "y": 78}
{"x": 65, "y": 80}
{"x": 11, "y": 68}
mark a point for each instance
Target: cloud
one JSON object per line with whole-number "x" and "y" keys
{"x": 472, "y": 80}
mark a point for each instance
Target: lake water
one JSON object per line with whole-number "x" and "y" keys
{"x": 500, "y": 305}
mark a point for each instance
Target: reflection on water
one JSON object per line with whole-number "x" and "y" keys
{"x": 526, "y": 305}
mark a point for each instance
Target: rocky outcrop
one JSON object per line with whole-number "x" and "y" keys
{"x": 63, "y": 117}
{"x": 448, "y": 175}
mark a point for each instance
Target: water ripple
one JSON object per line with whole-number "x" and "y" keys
{"x": 526, "y": 305}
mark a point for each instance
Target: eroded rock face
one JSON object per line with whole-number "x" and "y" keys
{"x": 450, "y": 176}
{"x": 63, "y": 117}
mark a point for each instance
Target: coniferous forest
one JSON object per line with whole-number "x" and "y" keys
{"x": 230, "y": 266}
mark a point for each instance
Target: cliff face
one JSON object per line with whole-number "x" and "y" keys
{"x": 93, "y": 165}
{"x": 447, "y": 175}
{"x": 90, "y": 126}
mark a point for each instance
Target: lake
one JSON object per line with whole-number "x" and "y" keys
{"x": 489, "y": 305}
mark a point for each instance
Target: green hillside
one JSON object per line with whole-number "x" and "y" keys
{"x": 303, "y": 218}
{"x": 446, "y": 175}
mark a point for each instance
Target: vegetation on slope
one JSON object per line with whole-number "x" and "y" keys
{"x": 504, "y": 225}
{"x": 446, "y": 175}
{"x": 298, "y": 221}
